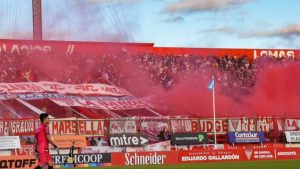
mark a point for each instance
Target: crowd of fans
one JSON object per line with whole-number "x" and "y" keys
{"x": 231, "y": 72}
{"x": 166, "y": 70}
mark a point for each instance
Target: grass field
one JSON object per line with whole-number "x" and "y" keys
{"x": 286, "y": 164}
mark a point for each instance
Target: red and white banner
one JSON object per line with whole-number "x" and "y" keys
{"x": 207, "y": 125}
{"x": 44, "y": 86}
{"x": 264, "y": 124}
{"x": 292, "y": 124}
{"x": 102, "y": 104}
{"x": 155, "y": 125}
{"x": 122, "y": 126}
{"x": 26, "y": 149}
{"x": 160, "y": 146}
{"x": 185, "y": 125}
{"x": 18, "y": 127}
{"x": 73, "y": 126}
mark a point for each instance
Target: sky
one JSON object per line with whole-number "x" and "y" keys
{"x": 169, "y": 23}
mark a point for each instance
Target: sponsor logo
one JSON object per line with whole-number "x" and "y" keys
{"x": 287, "y": 153}
{"x": 264, "y": 154}
{"x": 248, "y": 153}
{"x": 128, "y": 140}
{"x": 17, "y": 163}
{"x": 246, "y": 137}
{"x": 152, "y": 158}
{"x": 292, "y": 136}
{"x": 83, "y": 158}
{"x": 10, "y": 142}
{"x": 274, "y": 53}
{"x": 210, "y": 158}
{"x": 188, "y": 138}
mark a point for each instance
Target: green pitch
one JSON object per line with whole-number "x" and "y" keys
{"x": 286, "y": 164}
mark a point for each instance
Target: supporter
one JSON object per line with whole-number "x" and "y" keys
{"x": 101, "y": 142}
{"x": 161, "y": 136}
{"x": 93, "y": 142}
{"x": 167, "y": 70}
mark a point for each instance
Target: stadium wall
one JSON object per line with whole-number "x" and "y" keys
{"x": 71, "y": 47}
{"x": 155, "y": 158}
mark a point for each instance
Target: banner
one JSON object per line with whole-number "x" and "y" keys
{"x": 122, "y": 126}
{"x": 153, "y": 126}
{"x": 73, "y": 126}
{"x": 26, "y": 149}
{"x": 246, "y": 137}
{"x": 135, "y": 149}
{"x": 99, "y": 102}
{"x": 67, "y": 141}
{"x": 206, "y": 126}
{"x": 145, "y": 158}
{"x": 160, "y": 146}
{"x": 44, "y": 86}
{"x": 15, "y": 162}
{"x": 292, "y": 124}
{"x": 83, "y": 158}
{"x": 102, "y": 104}
{"x": 234, "y": 155}
{"x": 206, "y": 147}
{"x": 292, "y": 136}
{"x": 18, "y": 127}
{"x": 188, "y": 138}
{"x": 9, "y": 142}
{"x": 263, "y": 154}
{"x": 128, "y": 140}
{"x": 67, "y": 48}
{"x": 102, "y": 149}
{"x": 287, "y": 153}
{"x": 264, "y": 124}
{"x": 294, "y": 145}
{"x": 210, "y": 156}
{"x": 179, "y": 125}
{"x": 37, "y": 96}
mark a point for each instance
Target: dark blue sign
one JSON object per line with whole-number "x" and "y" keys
{"x": 246, "y": 137}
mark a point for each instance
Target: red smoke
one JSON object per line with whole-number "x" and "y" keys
{"x": 276, "y": 93}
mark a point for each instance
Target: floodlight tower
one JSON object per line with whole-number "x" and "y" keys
{"x": 37, "y": 20}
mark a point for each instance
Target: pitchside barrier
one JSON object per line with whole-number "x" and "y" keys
{"x": 154, "y": 158}
{"x": 137, "y": 141}
{"x": 76, "y": 126}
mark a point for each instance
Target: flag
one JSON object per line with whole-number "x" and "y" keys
{"x": 211, "y": 85}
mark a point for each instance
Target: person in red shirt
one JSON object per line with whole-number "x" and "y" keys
{"x": 42, "y": 136}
